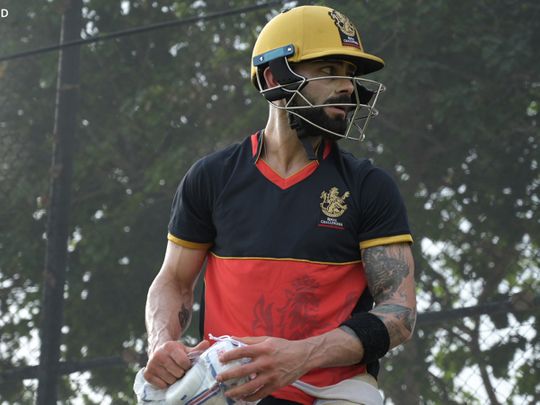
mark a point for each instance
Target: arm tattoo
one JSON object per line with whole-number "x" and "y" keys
{"x": 184, "y": 317}
{"x": 398, "y": 319}
{"x": 388, "y": 270}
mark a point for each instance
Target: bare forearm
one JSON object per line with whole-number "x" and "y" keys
{"x": 168, "y": 312}
{"x": 332, "y": 349}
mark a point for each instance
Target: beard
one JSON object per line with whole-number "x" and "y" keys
{"x": 319, "y": 117}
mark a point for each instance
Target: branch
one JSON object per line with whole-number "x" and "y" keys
{"x": 477, "y": 354}
{"x": 523, "y": 301}
{"x": 68, "y": 367}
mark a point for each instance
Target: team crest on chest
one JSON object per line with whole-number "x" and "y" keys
{"x": 333, "y": 204}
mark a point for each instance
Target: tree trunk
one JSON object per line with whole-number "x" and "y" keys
{"x": 67, "y": 93}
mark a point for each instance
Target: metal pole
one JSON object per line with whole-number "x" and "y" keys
{"x": 67, "y": 93}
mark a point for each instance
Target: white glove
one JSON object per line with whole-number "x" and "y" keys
{"x": 199, "y": 385}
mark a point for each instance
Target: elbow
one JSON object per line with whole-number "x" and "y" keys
{"x": 409, "y": 325}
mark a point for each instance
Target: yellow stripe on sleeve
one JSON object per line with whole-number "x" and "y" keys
{"x": 386, "y": 241}
{"x": 188, "y": 244}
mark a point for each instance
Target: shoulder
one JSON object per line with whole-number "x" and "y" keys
{"x": 362, "y": 172}
{"x": 353, "y": 163}
{"x": 219, "y": 159}
{"x": 373, "y": 185}
{"x": 363, "y": 168}
{"x": 219, "y": 163}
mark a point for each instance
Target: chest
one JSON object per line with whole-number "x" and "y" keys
{"x": 315, "y": 219}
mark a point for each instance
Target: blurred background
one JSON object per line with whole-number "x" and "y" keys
{"x": 458, "y": 129}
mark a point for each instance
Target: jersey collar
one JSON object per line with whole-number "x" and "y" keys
{"x": 257, "y": 144}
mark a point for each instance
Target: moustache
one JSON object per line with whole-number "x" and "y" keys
{"x": 343, "y": 99}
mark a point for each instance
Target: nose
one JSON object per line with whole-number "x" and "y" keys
{"x": 345, "y": 86}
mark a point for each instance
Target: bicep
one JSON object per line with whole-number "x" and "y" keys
{"x": 390, "y": 273}
{"x": 182, "y": 265}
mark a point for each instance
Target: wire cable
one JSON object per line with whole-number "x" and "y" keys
{"x": 138, "y": 30}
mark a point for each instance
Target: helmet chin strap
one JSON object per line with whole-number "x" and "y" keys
{"x": 299, "y": 125}
{"x": 290, "y": 84}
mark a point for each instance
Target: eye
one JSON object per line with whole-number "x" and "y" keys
{"x": 328, "y": 70}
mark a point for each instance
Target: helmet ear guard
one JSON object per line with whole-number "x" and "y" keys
{"x": 288, "y": 80}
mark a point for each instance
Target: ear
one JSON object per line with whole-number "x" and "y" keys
{"x": 269, "y": 78}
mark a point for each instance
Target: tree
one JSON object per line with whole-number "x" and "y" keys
{"x": 459, "y": 129}
{"x": 149, "y": 104}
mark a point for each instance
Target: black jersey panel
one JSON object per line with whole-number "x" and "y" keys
{"x": 256, "y": 218}
{"x": 226, "y": 200}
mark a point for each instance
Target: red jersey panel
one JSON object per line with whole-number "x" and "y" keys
{"x": 299, "y": 300}
{"x": 290, "y": 299}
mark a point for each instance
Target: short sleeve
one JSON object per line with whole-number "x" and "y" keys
{"x": 191, "y": 223}
{"x": 384, "y": 216}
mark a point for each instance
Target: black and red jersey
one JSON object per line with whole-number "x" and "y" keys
{"x": 284, "y": 253}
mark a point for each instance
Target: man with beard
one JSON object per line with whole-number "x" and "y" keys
{"x": 307, "y": 247}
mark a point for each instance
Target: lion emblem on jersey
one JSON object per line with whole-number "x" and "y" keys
{"x": 333, "y": 205}
{"x": 343, "y": 23}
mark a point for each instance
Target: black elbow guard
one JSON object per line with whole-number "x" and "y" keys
{"x": 372, "y": 333}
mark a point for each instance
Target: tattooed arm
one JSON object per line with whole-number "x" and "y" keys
{"x": 390, "y": 274}
{"x": 168, "y": 313}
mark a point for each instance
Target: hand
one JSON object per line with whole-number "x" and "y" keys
{"x": 169, "y": 362}
{"x": 275, "y": 363}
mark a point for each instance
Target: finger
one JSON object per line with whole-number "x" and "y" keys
{"x": 154, "y": 379}
{"x": 261, "y": 393}
{"x": 202, "y": 346}
{"x": 250, "y": 340}
{"x": 158, "y": 370}
{"x": 173, "y": 368}
{"x": 193, "y": 353}
{"x": 180, "y": 358}
{"x": 166, "y": 376}
{"x": 249, "y": 389}
{"x": 239, "y": 353}
{"x": 245, "y": 370}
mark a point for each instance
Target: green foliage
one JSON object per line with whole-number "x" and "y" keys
{"x": 459, "y": 125}
{"x": 500, "y": 355}
{"x": 458, "y": 129}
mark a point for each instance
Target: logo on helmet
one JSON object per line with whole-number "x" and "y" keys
{"x": 347, "y": 30}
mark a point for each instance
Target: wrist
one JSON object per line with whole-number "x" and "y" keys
{"x": 155, "y": 342}
{"x": 372, "y": 334}
{"x": 316, "y": 351}
{"x": 335, "y": 348}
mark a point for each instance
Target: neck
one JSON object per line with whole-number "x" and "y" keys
{"x": 283, "y": 150}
